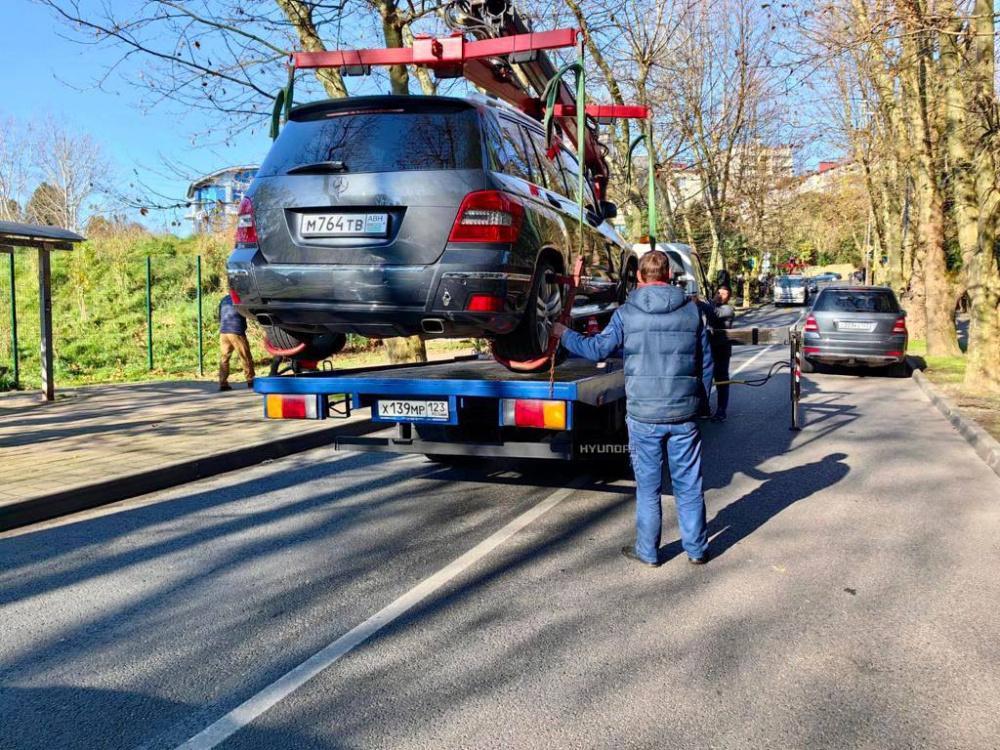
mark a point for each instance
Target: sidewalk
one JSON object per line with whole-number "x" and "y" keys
{"x": 99, "y": 444}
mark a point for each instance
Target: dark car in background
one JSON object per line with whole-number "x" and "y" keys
{"x": 401, "y": 215}
{"x": 856, "y": 326}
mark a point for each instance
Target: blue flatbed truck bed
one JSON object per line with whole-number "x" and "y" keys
{"x": 467, "y": 406}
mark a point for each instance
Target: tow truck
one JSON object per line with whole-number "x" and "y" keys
{"x": 476, "y": 406}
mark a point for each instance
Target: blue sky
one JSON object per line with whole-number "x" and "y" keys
{"x": 47, "y": 74}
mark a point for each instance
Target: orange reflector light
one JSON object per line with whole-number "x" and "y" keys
{"x": 278, "y": 406}
{"x": 521, "y": 412}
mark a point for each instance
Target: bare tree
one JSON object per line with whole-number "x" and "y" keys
{"x": 72, "y": 165}
{"x": 718, "y": 89}
{"x": 15, "y": 160}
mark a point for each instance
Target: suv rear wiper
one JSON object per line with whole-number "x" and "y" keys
{"x": 319, "y": 167}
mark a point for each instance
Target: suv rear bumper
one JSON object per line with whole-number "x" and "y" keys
{"x": 380, "y": 322}
{"x": 389, "y": 300}
{"x": 874, "y": 354}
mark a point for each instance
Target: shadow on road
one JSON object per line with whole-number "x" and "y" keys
{"x": 65, "y": 716}
{"x": 780, "y": 490}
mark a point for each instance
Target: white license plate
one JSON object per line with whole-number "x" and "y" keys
{"x": 344, "y": 225}
{"x": 855, "y": 325}
{"x": 408, "y": 409}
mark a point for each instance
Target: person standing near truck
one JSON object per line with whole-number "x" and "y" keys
{"x": 720, "y": 316}
{"x": 668, "y": 361}
{"x": 233, "y": 338}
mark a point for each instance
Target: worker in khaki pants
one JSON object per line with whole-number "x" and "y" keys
{"x": 233, "y": 338}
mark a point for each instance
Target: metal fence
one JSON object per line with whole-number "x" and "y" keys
{"x": 16, "y": 351}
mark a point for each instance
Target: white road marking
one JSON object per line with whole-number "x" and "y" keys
{"x": 284, "y": 686}
{"x": 752, "y": 359}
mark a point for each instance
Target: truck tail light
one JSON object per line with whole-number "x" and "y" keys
{"x": 278, "y": 406}
{"x": 900, "y": 325}
{"x": 488, "y": 216}
{"x": 234, "y": 296}
{"x": 484, "y": 303}
{"x": 811, "y": 325}
{"x": 246, "y": 227}
{"x": 531, "y": 412}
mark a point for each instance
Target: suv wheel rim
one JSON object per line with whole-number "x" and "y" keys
{"x": 548, "y": 307}
{"x": 631, "y": 279}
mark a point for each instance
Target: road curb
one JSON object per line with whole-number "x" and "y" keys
{"x": 84, "y": 497}
{"x": 985, "y": 445}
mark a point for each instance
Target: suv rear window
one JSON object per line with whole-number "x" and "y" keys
{"x": 389, "y": 140}
{"x": 880, "y": 301}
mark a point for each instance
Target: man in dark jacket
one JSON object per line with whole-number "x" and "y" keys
{"x": 667, "y": 363}
{"x": 720, "y": 316}
{"x": 233, "y": 338}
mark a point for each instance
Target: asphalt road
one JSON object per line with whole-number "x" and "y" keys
{"x": 852, "y": 603}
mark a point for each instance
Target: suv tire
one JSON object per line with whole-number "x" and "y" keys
{"x": 318, "y": 346}
{"x": 530, "y": 339}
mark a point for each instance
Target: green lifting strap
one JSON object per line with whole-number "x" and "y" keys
{"x": 651, "y": 197}
{"x": 279, "y": 103}
{"x": 289, "y": 92}
{"x": 549, "y": 95}
{"x": 283, "y": 104}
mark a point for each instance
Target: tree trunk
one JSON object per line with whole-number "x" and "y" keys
{"x": 427, "y": 83}
{"x": 406, "y": 349}
{"x": 392, "y": 31}
{"x": 982, "y": 274}
{"x": 942, "y": 338}
{"x": 300, "y": 15}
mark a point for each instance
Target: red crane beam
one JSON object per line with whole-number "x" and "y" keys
{"x": 444, "y": 51}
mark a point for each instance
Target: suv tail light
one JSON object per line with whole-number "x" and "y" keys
{"x": 485, "y": 303}
{"x": 811, "y": 324}
{"x": 900, "y": 325}
{"x": 246, "y": 227}
{"x": 488, "y": 216}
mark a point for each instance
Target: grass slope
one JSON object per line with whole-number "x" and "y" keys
{"x": 99, "y": 308}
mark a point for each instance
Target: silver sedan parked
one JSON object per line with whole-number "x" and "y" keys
{"x": 857, "y": 326}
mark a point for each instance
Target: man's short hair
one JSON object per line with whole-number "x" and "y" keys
{"x": 654, "y": 266}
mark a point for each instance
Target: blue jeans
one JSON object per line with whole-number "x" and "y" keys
{"x": 683, "y": 444}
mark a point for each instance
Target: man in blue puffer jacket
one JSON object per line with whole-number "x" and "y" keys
{"x": 668, "y": 363}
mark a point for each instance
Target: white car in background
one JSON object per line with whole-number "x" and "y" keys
{"x": 686, "y": 268}
{"x": 791, "y": 290}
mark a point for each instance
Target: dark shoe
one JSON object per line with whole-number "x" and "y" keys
{"x": 629, "y": 552}
{"x": 705, "y": 557}
{"x": 720, "y": 416}
{"x": 225, "y": 387}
